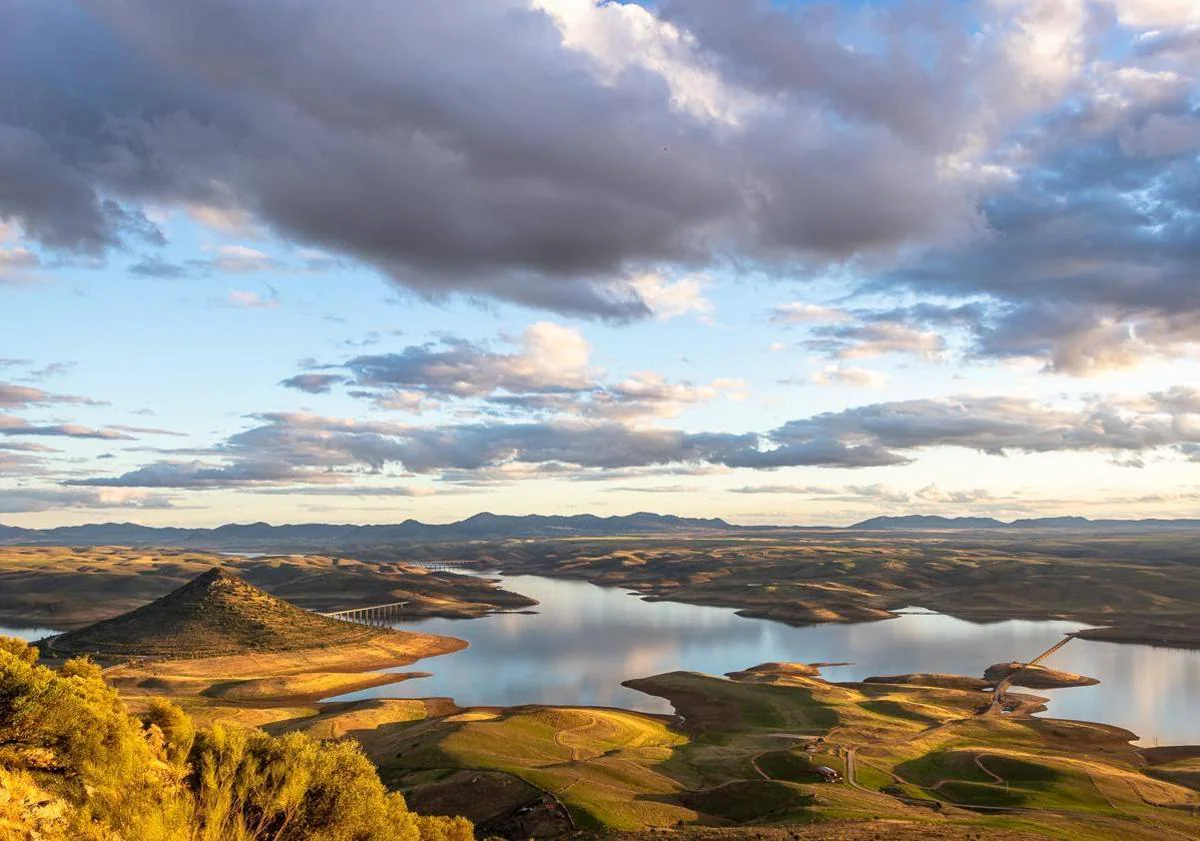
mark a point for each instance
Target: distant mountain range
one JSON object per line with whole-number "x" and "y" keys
{"x": 920, "y": 522}
{"x": 312, "y": 536}
{"x": 265, "y": 537}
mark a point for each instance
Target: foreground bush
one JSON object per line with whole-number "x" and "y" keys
{"x": 75, "y": 764}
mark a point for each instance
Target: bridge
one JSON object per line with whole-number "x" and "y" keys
{"x": 1001, "y": 687}
{"x": 376, "y": 614}
{"x": 441, "y": 566}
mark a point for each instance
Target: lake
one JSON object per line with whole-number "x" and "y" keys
{"x": 584, "y": 640}
{"x": 27, "y": 634}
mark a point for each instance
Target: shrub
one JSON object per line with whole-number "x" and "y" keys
{"x": 75, "y": 764}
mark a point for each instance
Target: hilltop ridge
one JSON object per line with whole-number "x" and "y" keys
{"x": 214, "y": 613}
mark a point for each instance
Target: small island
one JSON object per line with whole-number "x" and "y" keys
{"x": 1035, "y": 677}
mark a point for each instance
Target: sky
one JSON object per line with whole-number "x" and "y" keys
{"x": 777, "y": 262}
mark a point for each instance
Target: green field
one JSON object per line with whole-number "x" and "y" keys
{"x": 744, "y": 753}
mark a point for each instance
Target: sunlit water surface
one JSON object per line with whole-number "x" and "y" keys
{"x": 584, "y": 640}
{"x": 28, "y": 634}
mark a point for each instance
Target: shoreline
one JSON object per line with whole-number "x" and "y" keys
{"x": 1103, "y": 630}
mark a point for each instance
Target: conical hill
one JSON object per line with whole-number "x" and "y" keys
{"x": 216, "y": 613}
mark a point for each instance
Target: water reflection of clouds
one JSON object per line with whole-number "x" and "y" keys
{"x": 585, "y": 640}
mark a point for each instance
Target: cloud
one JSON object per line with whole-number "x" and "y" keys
{"x": 410, "y": 491}
{"x": 668, "y": 299}
{"x": 1163, "y": 135}
{"x": 550, "y": 373}
{"x": 299, "y": 448}
{"x": 801, "y": 313}
{"x": 19, "y": 396}
{"x": 603, "y": 159}
{"x": 228, "y": 259}
{"x": 1156, "y": 14}
{"x": 313, "y": 383}
{"x": 923, "y": 330}
{"x": 874, "y": 492}
{"x": 26, "y": 447}
{"x": 1089, "y": 265}
{"x": 552, "y": 359}
{"x": 50, "y": 369}
{"x": 858, "y": 341}
{"x": 22, "y": 459}
{"x": 836, "y": 375}
{"x": 152, "y": 265}
{"x": 24, "y": 500}
{"x": 651, "y": 489}
{"x": 145, "y": 430}
{"x": 10, "y": 425}
{"x": 196, "y": 474}
{"x": 549, "y": 154}
{"x": 511, "y": 472}
{"x": 253, "y": 300}
{"x": 797, "y": 490}
{"x": 650, "y": 394}
{"x": 241, "y": 259}
{"x": 17, "y": 264}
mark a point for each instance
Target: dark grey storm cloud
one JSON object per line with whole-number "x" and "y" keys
{"x": 798, "y": 53}
{"x": 288, "y": 448}
{"x": 463, "y": 147}
{"x": 470, "y": 148}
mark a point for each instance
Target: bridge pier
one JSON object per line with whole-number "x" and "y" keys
{"x": 379, "y": 614}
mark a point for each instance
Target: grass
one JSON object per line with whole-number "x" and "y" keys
{"x": 787, "y": 765}
{"x": 600, "y": 763}
{"x": 730, "y": 762}
{"x": 711, "y": 705}
{"x": 753, "y": 800}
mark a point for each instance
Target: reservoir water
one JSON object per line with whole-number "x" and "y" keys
{"x": 27, "y": 634}
{"x": 584, "y": 640}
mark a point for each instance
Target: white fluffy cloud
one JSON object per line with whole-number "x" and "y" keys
{"x": 834, "y": 375}
{"x": 672, "y": 298}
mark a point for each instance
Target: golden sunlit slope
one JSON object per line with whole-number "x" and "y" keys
{"x": 75, "y": 764}
{"x": 913, "y": 761}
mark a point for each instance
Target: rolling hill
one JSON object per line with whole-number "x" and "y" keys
{"x": 215, "y": 613}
